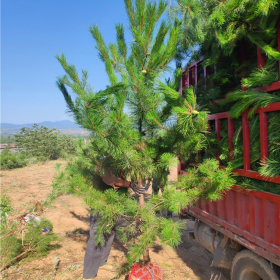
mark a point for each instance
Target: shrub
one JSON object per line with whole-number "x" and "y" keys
{"x": 5, "y": 209}
{"x": 9, "y": 160}
{"x": 19, "y": 239}
{"x": 43, "y": 143}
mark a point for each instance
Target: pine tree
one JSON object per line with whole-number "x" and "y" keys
{"x": 228, "y": 36}
{"x": 149, "y": 130}
{"x": 139, "y": 127}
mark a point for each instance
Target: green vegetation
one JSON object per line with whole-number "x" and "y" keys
{"x": 140, "y": 126}
{"x": 142, "y": 225}
{"x": 142, "y": 142}
{"x": 43, "y": 143}
{"x": 21, "y": 240}
{"x": 7, "y": 139}
{"x": 38, "y": 144}
{"x": 227, "y": 35}
{"x": 9, "y": 160}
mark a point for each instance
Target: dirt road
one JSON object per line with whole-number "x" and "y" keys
{"x": 70, "y": 218}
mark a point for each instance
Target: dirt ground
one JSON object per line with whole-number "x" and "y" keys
{"x": 70, "y": 218}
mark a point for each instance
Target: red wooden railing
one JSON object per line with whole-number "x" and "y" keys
{"x": 190, "y": 76}
{"x": 246, "y": 171}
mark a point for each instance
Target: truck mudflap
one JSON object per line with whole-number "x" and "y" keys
{"x": 225, "y": 253}
{"x": 222, "y": 247}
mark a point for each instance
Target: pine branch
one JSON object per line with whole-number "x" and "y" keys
{"x": 248, "y": 99}
{"x": 270, "y": 168}
{"x": 15, "y": 258}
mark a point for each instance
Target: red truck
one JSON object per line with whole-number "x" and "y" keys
{"x": 242, "y": 230}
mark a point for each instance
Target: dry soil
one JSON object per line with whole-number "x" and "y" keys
{"x": 70, "y": 218}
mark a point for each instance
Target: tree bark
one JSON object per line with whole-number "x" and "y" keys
{"x": 146, "y": 255}
{"x": 141, "y": 200}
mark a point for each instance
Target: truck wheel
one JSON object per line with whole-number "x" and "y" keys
{"x": 248, "y": 266}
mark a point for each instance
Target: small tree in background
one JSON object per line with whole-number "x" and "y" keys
{"x": 43, "y": 143}
{"x": 139, "y": 127}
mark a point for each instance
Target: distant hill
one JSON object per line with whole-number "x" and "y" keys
{"x": 65, "y": 127}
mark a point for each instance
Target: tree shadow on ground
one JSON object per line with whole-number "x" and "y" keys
{"x": 157, "y": 248}
{"x": 80, "y": 217}
{"x": 119, "y": 246}
{"x": 193, "y": 255}
{"x": 78, "y": 234}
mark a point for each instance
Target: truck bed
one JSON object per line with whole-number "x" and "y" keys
{"x": 251, "y": 218}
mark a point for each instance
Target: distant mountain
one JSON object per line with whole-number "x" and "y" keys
{"x": 66, "y": 127}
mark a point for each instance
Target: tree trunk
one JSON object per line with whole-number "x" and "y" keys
{"x": 141, "y": 200}
{"x": 141, "y": 197}
{"x": 146, "y": 256}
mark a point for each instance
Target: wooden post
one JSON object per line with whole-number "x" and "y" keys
{"x": 246, "y": 142}
{"x": 230, "y": 137}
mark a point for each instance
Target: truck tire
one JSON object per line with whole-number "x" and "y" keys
{"x": 247, "y": 265}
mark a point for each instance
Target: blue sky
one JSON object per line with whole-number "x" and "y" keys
{"x": 32, "y": 33}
